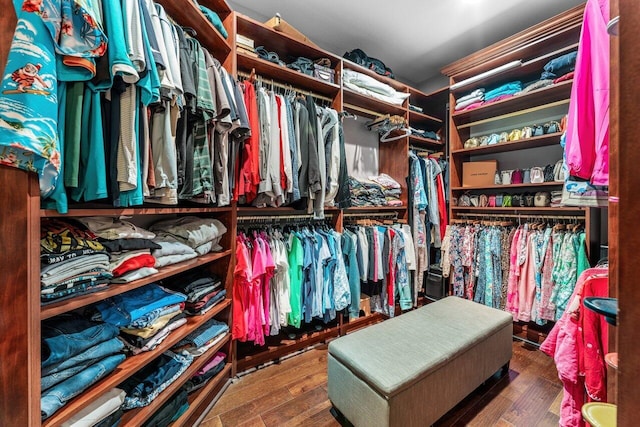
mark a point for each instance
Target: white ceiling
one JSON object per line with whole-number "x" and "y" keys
{"x": 415, "y": 38}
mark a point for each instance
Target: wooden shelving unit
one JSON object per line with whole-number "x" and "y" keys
{"x": 506, "y": 187}
{"x": 533, "y": 142}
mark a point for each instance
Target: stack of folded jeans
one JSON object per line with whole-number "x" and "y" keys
{"x": 145, "y": 315}
{"x": 203, "y": 290}
{"x": 170, "y": 411}
{"x": 202, "y": 339}
{"x": 72, "y": 261}
{"x": 76, "y": 353}
{"x": 146, "y": 384}
{"x": 129, "y": 247}
{"x": 559, "y": 66}
{"x": 201, "y": 234}
{"x": 208, "y": 371}
{"x": 366, "y": 193}
{"x": 390, "y": 188}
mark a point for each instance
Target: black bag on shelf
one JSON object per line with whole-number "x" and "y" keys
{"x": 359, "y": 57}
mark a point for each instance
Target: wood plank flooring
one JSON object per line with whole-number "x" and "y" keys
{"x": 294, "y": 393}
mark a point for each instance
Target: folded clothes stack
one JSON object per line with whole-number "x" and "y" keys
{"x": 202, "y": 339}
{"x": 203, "y": 290}
{"x": 73, "y": 261}
{"x": 471, "y": 99}
{"x": 102, "y": 412}
{"x": 368, "y": 86}
{"x": 75, "y": 354}
{"x": 202, "y": 235}
{"x": 210, "y": 369}
{"x": 146, "y": 384}
{"x": 145, "y": 316}
{"x": 129, "y": 247}
{"x": 390, "y": 188}
{"x": 366, "y": 193}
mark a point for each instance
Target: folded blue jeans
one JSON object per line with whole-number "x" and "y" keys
{"x": 68, "y": 335}
{"x": 58, "y": 373}
{"x": 170, "y": 411}
{"x": 143, "y": 387}
{"x": 560, "y": 65}
{"x": 56, "y": 397}
{"x": 123, "y": 309}
{"x": 204, "y": 333}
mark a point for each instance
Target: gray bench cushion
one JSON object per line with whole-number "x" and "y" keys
{"x": 395, "y": 354}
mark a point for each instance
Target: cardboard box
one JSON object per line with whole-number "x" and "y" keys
{"x": 479, "y": 174}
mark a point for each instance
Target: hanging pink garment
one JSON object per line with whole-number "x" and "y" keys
{"x": 587, "y": 143}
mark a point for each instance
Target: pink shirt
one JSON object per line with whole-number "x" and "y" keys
{"x": 587, "y": 144}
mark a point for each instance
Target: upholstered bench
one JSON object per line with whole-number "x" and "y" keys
{"x": 411, "y": 369}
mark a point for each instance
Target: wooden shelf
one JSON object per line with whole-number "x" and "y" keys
{"x": 136, "y": 417}
{"x": 432, "y": 103}
{"x": 357, "y": 209}
{"x": 134, "y": 363}
{"x": 275, "y": 352}
{"x": 562, "y": 210}
{"x": 199, "y": 399}
{"x": 284, "y": 45}
{"x": 269, "y": 70}
{"x": 379, "y": 107}
{"x": 416, "y": 118}
{"x": 60, "y": 307}
{"x": 418, "y": 140}
{"x": 524, "y": 72}
{"x": 145, "y": 210}
{"x": 506, "y": 187}
{"x": 533, "y": 142}
{"x": 535, "y": 98}
{"x": 186, "y": 13}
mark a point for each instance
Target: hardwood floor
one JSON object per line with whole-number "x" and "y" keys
{"x": 294, "y": 393}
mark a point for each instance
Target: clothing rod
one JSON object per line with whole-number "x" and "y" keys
{"x": 361, "y": 110}
{"x": 393, "y": 215}
{"x": 276, "y": 218}
{"x": 515, "y": 114}
{"x": 286, "y": 86}
{"x": 527, "y": 215}
{"x": 425, "y": 150}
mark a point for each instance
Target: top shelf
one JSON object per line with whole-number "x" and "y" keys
{"x": 527, "y": 69}
{"x": 284, "y": 45}
{"x": 186, "y": 13}
{"x": 530, "y": 100}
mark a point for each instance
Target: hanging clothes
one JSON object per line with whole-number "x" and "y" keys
{"x": 285, "y": 278}
{"x": 529, "y": 271}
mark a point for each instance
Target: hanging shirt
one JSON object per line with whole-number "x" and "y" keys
{"x": 29, "y": 137}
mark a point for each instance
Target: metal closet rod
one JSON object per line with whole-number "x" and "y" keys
{"x": 527, "y": 215}
{"x": 285, "y": 86}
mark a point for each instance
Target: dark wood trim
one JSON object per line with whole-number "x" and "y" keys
{"x": 623, "y": 219}
{"x": 19, "y": 298}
